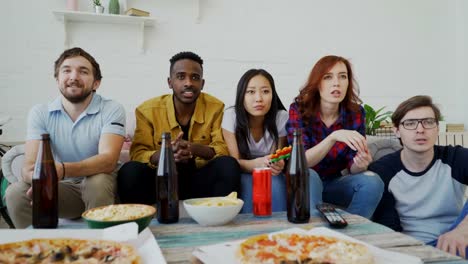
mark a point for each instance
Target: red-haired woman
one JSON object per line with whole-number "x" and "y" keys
{"x": 328, "y": 112}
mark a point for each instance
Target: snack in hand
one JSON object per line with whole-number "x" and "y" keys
{"x": 298, "y": 248}
{"x": 280, "y": 154}
{"x": 65, "y": 250}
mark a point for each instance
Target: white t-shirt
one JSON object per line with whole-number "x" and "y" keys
{"x": 264, "y": 146}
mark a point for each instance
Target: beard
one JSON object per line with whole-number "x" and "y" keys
{"x": 77, "y": 98}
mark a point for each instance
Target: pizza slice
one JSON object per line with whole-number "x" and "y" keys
{"x": 68, "y": 251}
{"x": 298, "y": 248}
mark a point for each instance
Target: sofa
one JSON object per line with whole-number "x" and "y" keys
{"x": 13, "y": 159}
{"x": 12, "y": 162}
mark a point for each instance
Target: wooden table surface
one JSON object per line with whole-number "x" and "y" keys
{"x": 178, "y": 240}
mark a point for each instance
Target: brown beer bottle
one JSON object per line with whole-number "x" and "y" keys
{"x": 297, "y": 183}
{"x": 167, "y": 189}
{"x": 45, "y": 187}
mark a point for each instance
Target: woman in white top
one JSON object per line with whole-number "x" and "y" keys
{"x": 253, "y": 129}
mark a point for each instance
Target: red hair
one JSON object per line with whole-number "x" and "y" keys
{"x": 308, "y": 99}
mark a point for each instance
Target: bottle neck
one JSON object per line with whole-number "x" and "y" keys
{"x": 165, "y": 140}
{"x": 46, "y": 149}
{"x": 166, "y": 144}
{"x": 297, "y": 139}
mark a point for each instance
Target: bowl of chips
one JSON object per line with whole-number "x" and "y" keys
{"x": 116, "y": 214}
{"x": 214, "y": 211}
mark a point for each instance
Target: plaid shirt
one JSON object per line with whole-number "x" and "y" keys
{"x": 340, "y": 156}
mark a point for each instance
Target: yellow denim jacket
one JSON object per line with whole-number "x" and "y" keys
{"x": 157, "y": 115}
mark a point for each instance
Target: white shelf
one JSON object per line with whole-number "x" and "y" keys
{"x": 103, "y": 18}
{"x": 75, "y": 16}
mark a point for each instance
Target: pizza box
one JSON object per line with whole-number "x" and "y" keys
{"x": 144, "y": 242}
{"x": 226, "y": 252}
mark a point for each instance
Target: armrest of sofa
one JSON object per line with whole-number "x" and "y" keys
{"x": 12, "y": 162}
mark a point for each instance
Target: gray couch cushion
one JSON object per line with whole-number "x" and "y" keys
{"x": 12, "y": 162}
{"x": 380, "y": 147}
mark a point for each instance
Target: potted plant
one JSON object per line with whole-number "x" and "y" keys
{"x": 374, "y": 118}
{"x": 98, "y": 6}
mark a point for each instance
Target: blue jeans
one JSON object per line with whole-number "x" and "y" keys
{"x": 457, "y": 221}
{"x": 278, "y": 193}
{"x": 359, "y": 193}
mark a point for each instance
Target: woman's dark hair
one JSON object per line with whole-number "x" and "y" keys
{"x": 308, "y": 99}
{"x": 242, "y": 116}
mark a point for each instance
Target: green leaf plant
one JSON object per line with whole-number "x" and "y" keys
{"x": 374, "y": 118}
{"x": 97, "y": 2}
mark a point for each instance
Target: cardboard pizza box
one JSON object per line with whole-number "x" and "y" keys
{"x": 145, "y": 243}
{"x": 226, "y": 252}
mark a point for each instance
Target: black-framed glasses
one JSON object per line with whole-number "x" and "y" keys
{"x": 412, "y": 124}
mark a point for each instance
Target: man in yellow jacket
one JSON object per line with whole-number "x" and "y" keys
{"x": 194, "y": 120}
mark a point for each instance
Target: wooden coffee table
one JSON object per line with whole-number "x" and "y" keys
{"x": 178, "y": 240}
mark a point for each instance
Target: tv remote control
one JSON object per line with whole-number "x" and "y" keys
{"x": 332, "y": 216}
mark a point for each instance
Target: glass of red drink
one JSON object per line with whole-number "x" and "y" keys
{"x": 261, "y": 192}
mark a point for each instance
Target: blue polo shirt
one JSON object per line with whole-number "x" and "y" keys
{"x": 79, "y": 140}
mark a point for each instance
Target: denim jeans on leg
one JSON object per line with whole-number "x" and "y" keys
{"x": 315, "y": 190}
{"x": 457, "y": 221}
{"x": 278, "y": 193}
{"x": 360, "y": 193}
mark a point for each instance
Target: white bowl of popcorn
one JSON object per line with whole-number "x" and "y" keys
{"x": 116, "y": 214}
{"x": 213, "y": 211}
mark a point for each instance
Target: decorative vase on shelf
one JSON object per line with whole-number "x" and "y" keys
{"x": 72, "y": 5}
{"x": 99, "y": 9}
{"x": 114, "y": 7}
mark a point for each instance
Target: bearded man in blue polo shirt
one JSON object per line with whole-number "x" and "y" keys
{"x": 86, "y": 131}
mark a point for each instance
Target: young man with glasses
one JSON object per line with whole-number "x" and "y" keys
{"x": 424, "y": 183}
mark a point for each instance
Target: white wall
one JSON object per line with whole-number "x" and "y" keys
{"x": 399, "y": 48}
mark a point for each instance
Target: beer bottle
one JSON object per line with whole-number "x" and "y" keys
{"x": 167, "y": 184}
{"x": 45, "y": 187}
{"x": 297, "y": 183}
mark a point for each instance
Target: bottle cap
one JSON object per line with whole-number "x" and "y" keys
{"x": 297, "y": 132}
{"x": 166, "y": 135}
